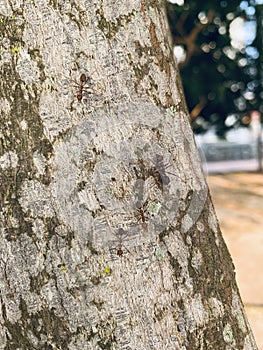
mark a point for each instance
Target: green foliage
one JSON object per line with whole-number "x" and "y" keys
{"x": 213, "y": 77}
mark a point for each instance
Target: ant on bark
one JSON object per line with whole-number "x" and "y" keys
{"x": 81, "y": 86}
{"x": 120, "y": 235}
{"x": 120, "y": 242}
{"x": 141, "y": 210}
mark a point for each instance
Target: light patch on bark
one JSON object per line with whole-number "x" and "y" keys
{"x": 26, "y": 68}
{"x": 13, "y": 312}
{"x": 216, "y": 306}
{"x": 39, "y": 230}
{"x": 35, "y": 198}
{"x": 229, "y": 336}
{"x": 54, "y": 116}
{"x": 39, "y": 162}
{"x": 24, "y": 125}
{"x": 8, "y": 160}
{"x": 248, "y": 343}
{"x": 194, "y": 210}
{"x": 238, "y": 312}
{"x": 195, "y": 312}
{"x": 197, "y": 260}
{"x": 5, "y": 107}
{"x": 5, "y": 8}
{"x": 19, "y": 261}
{"x": 116, "y": 9}
{"x": 200, "y": 226}
{"x": 178, "y": 249}
{"x": 213, "y": 224}
{"x": 3, "y": 334}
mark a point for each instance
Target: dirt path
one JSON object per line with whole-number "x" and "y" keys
{"x": 238, "y": 199}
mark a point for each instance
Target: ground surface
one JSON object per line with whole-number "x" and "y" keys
{"x": 238, "y": 200}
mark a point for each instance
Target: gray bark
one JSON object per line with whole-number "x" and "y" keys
{"x": 109, "y": 239}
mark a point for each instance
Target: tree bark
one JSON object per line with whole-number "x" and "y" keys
{"x": 109, "y": 239}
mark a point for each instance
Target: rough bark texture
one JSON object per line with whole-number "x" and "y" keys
{"x": 109, "y": 239}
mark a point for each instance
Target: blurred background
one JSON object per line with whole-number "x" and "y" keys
{"x": 218, "y": 46}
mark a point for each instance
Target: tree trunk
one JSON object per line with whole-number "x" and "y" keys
{"x": 109, "y": 239}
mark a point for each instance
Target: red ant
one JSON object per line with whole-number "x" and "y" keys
{"x": 141, "y": 212}
{"x": 83, "y": 80}
{"x": 120, "y": 236}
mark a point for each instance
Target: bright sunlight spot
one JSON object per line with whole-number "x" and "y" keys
{"x": 179, "y": 53}
{"x": 177, "y": 2}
